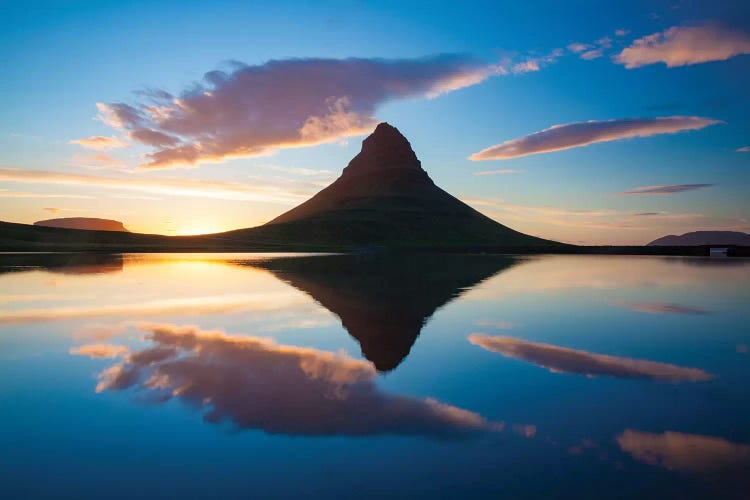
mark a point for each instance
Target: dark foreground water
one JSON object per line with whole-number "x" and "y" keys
{"x": 268, "y": 376}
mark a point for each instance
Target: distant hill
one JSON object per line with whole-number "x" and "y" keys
{"x": 704, "y": 238}
{"x": 88, "y": 223}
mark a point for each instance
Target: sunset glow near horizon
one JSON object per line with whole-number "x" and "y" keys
{"x": 595, "y": 123}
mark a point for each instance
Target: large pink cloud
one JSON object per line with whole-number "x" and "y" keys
{"x": 255, "y": 110}
{"x": 572, "y": 135}
{"x": 685, "y": 45}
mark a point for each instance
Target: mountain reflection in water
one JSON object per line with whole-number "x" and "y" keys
{"x": 384, "y": 302}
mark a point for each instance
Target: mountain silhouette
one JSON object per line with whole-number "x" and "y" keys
{"x": 384, "y": 197}
{"x": 704, "y": 238}
{"x": 384, "y": 301}
{"x": 89, "y": 223}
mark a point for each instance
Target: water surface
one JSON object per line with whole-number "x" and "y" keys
{"x": 251, "y": 375}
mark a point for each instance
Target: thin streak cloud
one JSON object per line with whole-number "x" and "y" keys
{"x": 676, "y": 188}
{"x": 563, "y": 360}
{"x": 268, "y": 191}
{"x": 100, "y": 142}
{"x": 578, "y": 134}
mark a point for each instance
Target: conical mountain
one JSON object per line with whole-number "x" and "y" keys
{"x": 385, "y": 300}
{"x": 384, "y": 197}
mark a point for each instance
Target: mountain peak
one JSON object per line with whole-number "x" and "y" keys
{"x": 385, "y": 148}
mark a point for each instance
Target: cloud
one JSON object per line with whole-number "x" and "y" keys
{"x": 665, "y": 308}
{"x": 572, "y": 135}
{"x": 563, "y": 360}
{"x": 685, "y": 45}
{"x": 594, "y": 50}
{"x": 100, "y": 351}
{"x": 99, "y": 162}
{"x": 100, "y": 142}
{"x": 249, "y": 111}
{"x": 691, "y": 453}
{"x": 272, "y": 191}
{"x": 578, "y": 48}
{"x": 592, "y": 54}
{"x": 744, "y": 149}
{"x": 677, "y": 188}
{"x": 528, "y": 63}
{"x": 621, "y": 32}
{"x": 525, "y": 430}
{"x": 254, "y": 383}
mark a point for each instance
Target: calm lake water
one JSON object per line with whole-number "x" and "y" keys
{"x": 247, "y": 375}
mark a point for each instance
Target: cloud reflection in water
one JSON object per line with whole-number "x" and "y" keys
{"x": 254, "y": 383}
{"x": 562, "y": 359}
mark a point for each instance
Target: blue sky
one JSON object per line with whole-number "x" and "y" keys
{"x": 522, "y": 69}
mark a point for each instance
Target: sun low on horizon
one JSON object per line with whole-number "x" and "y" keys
{"x": 584, "y": 123}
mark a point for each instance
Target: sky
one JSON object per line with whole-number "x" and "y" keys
{"x": 584, "y": 122}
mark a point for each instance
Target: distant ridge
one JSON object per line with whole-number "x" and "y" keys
{"x": 88, "y": 223}
{"x": 704, "y": 238}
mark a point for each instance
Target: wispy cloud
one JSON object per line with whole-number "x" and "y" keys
{"x": 579, "y": 47}
{"x": 273, "y": 191}
{"x": 100, "y": 161}
{"x": 744, "y": 149}
{"x": 685, "y": 45}
{"x": 100, "y": 351}
{"x": 100, "y": 142}
{"x": 254, "y": 383}
{"x": 236, "y": 113}
{"x": 562, "y": 359}
{"x": 669, "y": 189}
{"x": 572, "y": 135}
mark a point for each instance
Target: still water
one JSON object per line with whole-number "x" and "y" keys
{"x": 269, "y": 375}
